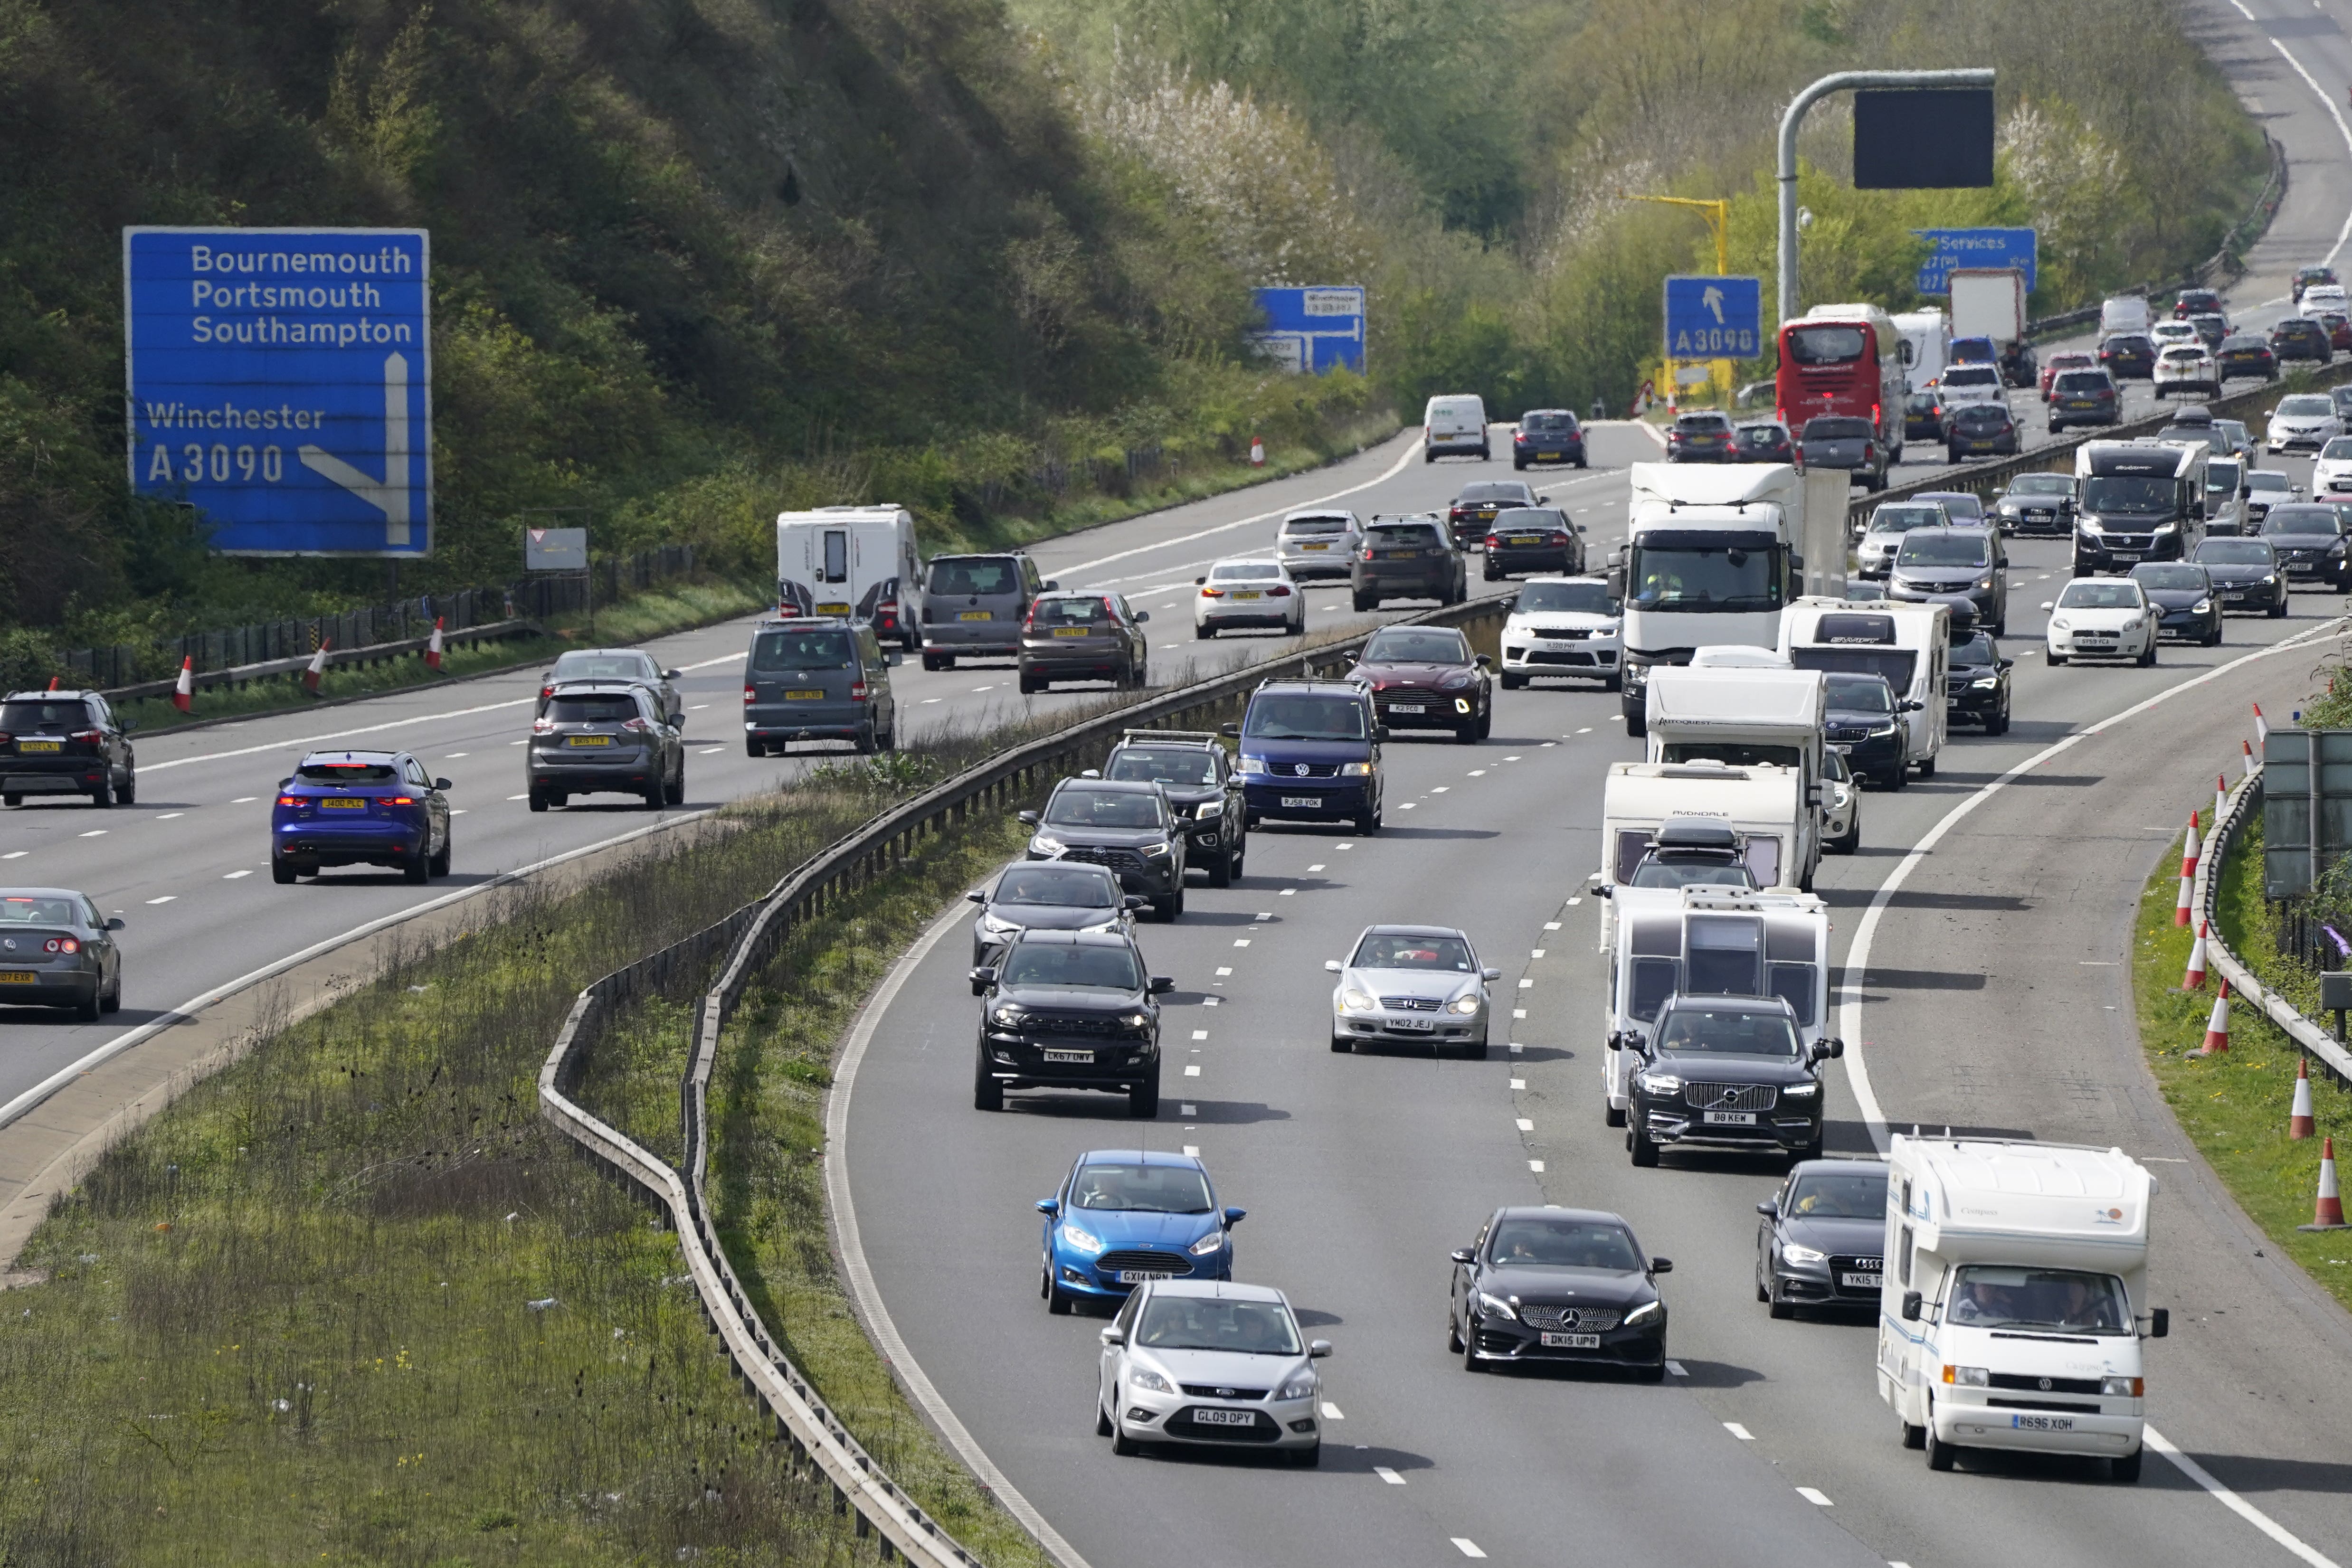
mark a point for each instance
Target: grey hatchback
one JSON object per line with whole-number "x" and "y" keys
{"x": 58, "y": 951}
{"x": 604, "y": 738}
{"x": 1409, "y": 556}
{"x": 973, "y": 607}
{"x": 818, "y": 679}
{"x": 1084, "y": 637}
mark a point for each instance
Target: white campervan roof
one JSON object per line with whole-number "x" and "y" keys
{"x": 1735, "y": 696}
{"x": 2014, "y": 1196}
{"x": 1739, "y": 656}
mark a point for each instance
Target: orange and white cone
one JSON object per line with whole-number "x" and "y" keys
{"x": 2261, "y": 726}
{"x": 311, "y": 676}
{"x": 2188, "y": 872}
{"x": 1257, "y": 452}
{"x": 2299, "y": 1123}
{"x": 2217, "y": 1027}
{"x": 2220, "y": 796}
{"x": 2327, "y": 1213}
{"x": 53, "y": 681}
{"x": 2194, "y": 979}
{"x": 433, "y": 646}
{"x": 2248, "y": 747}
{"x": 184, "y": 690}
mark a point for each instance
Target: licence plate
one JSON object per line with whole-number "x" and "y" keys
{"x": 1314, "y": 546}
{"x": 2042, "y": 1423}
{"x": 1859, "y": 1281}
{"x": 1523, "y": 539}
{"x": 1547, "y": 456}
{"x": 40, "y": 745}
{"x": 1069, "y": 630}
{"x": 1571, "y": 1342}
{"x": 18, "y": 977}
{"x": 1408, "y": 708}
{"x": 1067, "y": 1055}
{"x": 2125, "y": 555}
{"x": 1413, "y": 1026}
{"x": 977, "y": 615}
{"x": 1295, "y": 802}
{"x": 1225, "y": 1418}
{"x": 1141, "y": 1276}
{"x": 1399, "y": 554}
{"x": 807, "y": 696}
{"x": 334, "y": 805}
{"x": 833, "y": 610}
{"x": 587, "y": 741}
{"x": 1249, "y": 593}
{"x": 1728, "y": 1118}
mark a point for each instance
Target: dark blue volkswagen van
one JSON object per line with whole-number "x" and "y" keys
{"x": 1311, "y": 751}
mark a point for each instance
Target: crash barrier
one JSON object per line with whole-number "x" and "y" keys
{"x": 744, "y": 944}
{"x": 336, "y": 658}
{"x": 2315, "y": 1043}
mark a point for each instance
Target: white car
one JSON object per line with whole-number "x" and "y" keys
{"x": 2331, "y": 476}
{"x": 1563, "y": 626}
{"x": 1208, "y": 1363}
{"x": 2102, "y": 618}
{"x": 2186, "y": 368}
{"x": 1964, "y": 384}
{"x": 2167, "y": 333}
{"x": 2321, "y": 299}
{"x": 1318, "y": 544}
{"x": 1410, "y": 985}
{"x": 1256, "y": 593}
{"x": 1884, "y": 536}
{"x": 1841, "y": 807}
{"x": 2306, "y": 421}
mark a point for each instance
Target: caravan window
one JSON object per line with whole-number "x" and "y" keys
{"x": 1764, "y": 861}
{"x": 1739, "y": 754}
{"x": 1894, "y": 663}
{"x": 1653, "y": 981}
{"x": 1723, "y": 957}
{"x": 836, "y": 556}
{"x": 1794, "y": 983}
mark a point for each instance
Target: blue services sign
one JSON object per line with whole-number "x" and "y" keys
{"x": 279, "y": 380}
{"x": 1715, "y": 318}
{"x": 1311, "y": 330}
{"x": 1974, "y": 247}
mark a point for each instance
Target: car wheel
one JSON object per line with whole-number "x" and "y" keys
{"x": 112, "y": 1001}
{"x": 1914, "y": 1436}
{"x": 103, "y": 796}
{"x": 1512, "y": 683}
{"x": 1125, "y": 1446}
{"x": 1487, "y": 720}
{"x": 2147, "y": 655}
{"x": 1612, "y": 682}
{"x": 539, "y": 800}
{"x": 1899, "y": 778}
{"x": 2213, "y": 638}
{"x": 755, "y": 748}
{"x": 2050, "y": 657}
{"x": 1453, "y": 1336}
{"x": 1166, "y": 910}
{"x": 1490, "y": 573}
{"x": 86, "y": 1012}
{"x": 987, "y": 1092}
{"x": 655, "y": 791}
{"x": 1475, "y": 1050}
{"x": 2125, "y": 1471}
{"x": 1308, "y": 1458}
{"x": 1030, "y": 686}
{"x": 1998, "y": 724}
{"x": 128, "y": 791}
{"x": 1656, "y": 1373}
{"x": 1611, "y": 1115}
{"x": 1466, "y": 734}
{"x": 1363, "y": 601}
{"x": 440, "y": 865}
{"x": 417, "y": 869}
{"x": 1638, "y": 1142}
{"x": 12, "y": 801}
{"x": 1365, "y": 826}
{"x": 1058, "y": 1301}
{"x": 1340, "y": 1043}
{"x": 1221, "y": 869}
{"x": 1102, "y": 1420}
{"x": 1940, "y": 1454}
{"x": 1470, "y": 1361}
{"x": 675, "y": 793}
{"x": 280, "y": 872}
{"x": 2278, "y": 612}
{"x": 1928, "y": 768}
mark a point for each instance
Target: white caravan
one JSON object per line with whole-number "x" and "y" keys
{"x": 860, "y": 562}
{"x": 1927, "y": 337}
{"x": 1765, "y": 806}
{"x": 1908, "y": 644}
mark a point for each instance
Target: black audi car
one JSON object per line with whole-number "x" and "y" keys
{"x": 1867, "y": 718}
{"x": 1533, "y": 538}
{"x": 1820, "y": 1239}
{"x": 1127, "y": 825}
{"x": 1069, "y": 1009}
{"x": 2187, "y": 605}
{"x": 1557, "y": 1285}
{"x": 1975, "y": 682}
{"x": 1197, "y": 775}
{"x": 2246, "y": 574}
{"x": 1727, "y": 1072}
{"x": 2309, "y": 536}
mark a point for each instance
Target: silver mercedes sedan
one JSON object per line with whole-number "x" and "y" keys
{"x": 1417, "y": 984}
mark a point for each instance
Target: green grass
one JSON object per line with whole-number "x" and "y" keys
{"x": 2234, "y": 1107}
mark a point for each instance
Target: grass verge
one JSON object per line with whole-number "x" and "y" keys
{"x": 2234, "y": 1107}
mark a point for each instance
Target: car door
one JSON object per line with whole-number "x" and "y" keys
{"x": 1466, "y": 1275}
{"x": 109, "y": 955}
{"x": 436, "y": 810}
{"x": 877, "y": 682}
{"x": 1114, "y": 1356}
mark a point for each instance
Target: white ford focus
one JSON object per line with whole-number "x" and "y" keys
{"x": 1199, "y": 1362}
{"x": 2101, "y": 618}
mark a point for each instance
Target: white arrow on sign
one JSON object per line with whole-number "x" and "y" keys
{"x": 1713, "y": 299}
{"x": 390, "y": 495}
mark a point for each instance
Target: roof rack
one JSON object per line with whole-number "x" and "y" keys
{"x": 1181, "y": 737}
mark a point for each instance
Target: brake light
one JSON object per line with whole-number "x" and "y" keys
{"x": 857, "y": 691}
{"x": 400, "y": 799}
{"x": 89, "y": 736}
{"x": 1212, "y": 593}
{"x": 1556, "y": 539}
{"x": 61, "y": 945}
{"x": 636, "y": 726}
{"x": 1278, "y": 592}
{"x": 1029, "y": 621}
{"x": 542, "y": 727}
{"x": 545, "y": 692}
{"x": 290, "y": 800}
{"x": 1492, "y": 541}
{"x": 7, "y": 739}
{"x": 1367, "y": 552}
{"x": 749, "y": 693}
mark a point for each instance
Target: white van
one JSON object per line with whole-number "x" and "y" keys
{"x": 2010, "y": 1293}
{"x": 2124, "y": 313}
{"x": 859, "y": 562}
{"x": 1455, "y": 422}
{"x": 1907, "y": 643}
{"x": 1927, "y": 347}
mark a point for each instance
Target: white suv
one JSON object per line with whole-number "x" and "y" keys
{"x": 2306, "y": 420}
{"x": 1965, "y": 384}
{"x": 1318, "y": 544}
{"x": 2186, "y": 368}
{"x": 1563, "y": 626}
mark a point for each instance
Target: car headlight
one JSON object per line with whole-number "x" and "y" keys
{"x": 1160, "y": 850}
{"x": 1469, "y": 1004}
{"x": 2089, "y": 524}
{"x": 1134, "y": 1020}
{"x": 1792, "y": 1253}
{"x": 1009, "y": 1016}
{"x": 1804, "y": 1090}
{"x": 1110, "y": 925}
{"x": 1354, "y": 771}
{"x": 1462, "y": 704}
{"x": 1966, "y": 1377}
{"x": 1497, "y": 1305}
{"x": 1881, "y": 731}
{"x": 1080, "y": 1240}
{"x": 1210, "y": 808}
{"x": 2201, "y": 606}
{"x": 2167, "y": 528}
{"x": 996, "y": 926}
{"x": 1985, "y": 581}
{"x": 1144, "y": 1378}
{"x": 2059, "y": 624}
{"x": 1356, "y": 1001}
{"x": 2122, "y": 1387}
{"x": 1047, "y": 844}
{"x": 2270, "y": 577}
{"x": 1253, "y": 765}
{"x": 1660, "y": 1083}
{"x": 1646, "y": 1314}
{"x": 2008, "y": 510}
{"x": 1985, "y": 682}
{"x": 1213, "y": 1241}
{"x": 1302, "y": 1386}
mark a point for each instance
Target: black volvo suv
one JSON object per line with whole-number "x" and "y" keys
{"x": 1195, "y": 772}
{"x": 1069, "y": 1009}
{"x": 1727, "y": 1072}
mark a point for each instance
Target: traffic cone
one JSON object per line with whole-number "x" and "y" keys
{"x": 2298, "y": 1116}
{"x": 2194, "y": 980}
{"x": 2188, "y": 872}
{"x": 318, "y": 667}
{"x": 2327, "y": 1213}
{"x": 2261, "y": 726}
{"x": 2248, "y": 747}
{"x": 184, "y": 691}
{"x": 53, "y": 681}
{"x": 2220, "y": 796}
{"x": 2217, "y": 1027}
{"x": 433, "y": 646}
{"x": 1257, "y": 452}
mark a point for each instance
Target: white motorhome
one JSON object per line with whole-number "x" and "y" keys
{"x": 2012, "y": 1291}
{"x": 1766, "y": 806}
{"x": 1926, "y": 337}
{"x": 1907, "y": 643}
{"x": 1718, "y": 941}
{"x": 855, "y": 561}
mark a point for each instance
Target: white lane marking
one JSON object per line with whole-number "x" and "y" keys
{"x": 1224, "y": 971}
{"x": 1347, "y": 846}
{"x": 1525, "y": 984}
{"x": 1739, "y": 1431}
{"x": 1536, "y": 952}
{"x": 1551, "y": 924}
{"x": 989, "y": 687}
{"x": 1857, "y": 964}
{"x": 1265, "y": 914}
{"x": 1210, "y": 1001}
{"x": 232, "y": 876}
{"x": 1586, "y": 730}
{"x": 165, "y": 899}
{"x": 1467, "y": 1547}
{"x": 2328, "y": 101}
{"x": 1476, "y": 772}
{"x": 1285, "y": 893}
{"x": 1536, "y": 1165}
{"x": 1188, "y": 1109}
{"x": 1518, "y": 1013}
{"x": 2232, "y": 1501}
{"x": 240, "y": 800}
{"x": 1440, "y": 789}
{"x": 1815, "y": 1496}
{"x": 524, "y": 797}
{"x": 1194, "y": 1071}
{"x": 928, "y": 701}
{"x": 696, "y": 708}
{"x": 308, "y": 741}
{"x": 1525, "y": 1125}
{"x": 1317, "y": 866}
{"x": 525, "y": 741}
{"x": 168, "y": 815}
{"x": 1193, "y": 1151}
{"x": 95, "y": 834}
{"x": 1331, "y": 1412}
{"x": 1388, "y": 1475}
{"x": 458, "y": 811}
{"x": 1511, "y": 760}
{"x": 1404, "y": 805}
{"x": 1550, "y": 744}
{"x": 1518, "y": 1083}
{"x": 1200, "y": 1034}
{"x": 709, "y": 750}
{"x": 452, "y": 756}
{"x": 16, "y": 855}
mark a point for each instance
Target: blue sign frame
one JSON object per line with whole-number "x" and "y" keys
{"x": 1314, "y": 330}
{"x": 1958, "y": 248}
{"x": 1711, "y": 317}
{"x": 279, "y": 380}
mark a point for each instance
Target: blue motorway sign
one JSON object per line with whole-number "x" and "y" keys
{"x": 1974, "y": 247}
{"x": 1311, "y": 330}
{"x": 279, "y": 380}
{"x": 1715, "y": 318}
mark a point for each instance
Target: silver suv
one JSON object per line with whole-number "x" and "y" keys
{"x": 1315, "y": 543}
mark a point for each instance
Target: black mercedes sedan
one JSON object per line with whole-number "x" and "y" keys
{"x": 58, "y": 951}
{"x": 1558, "y": 1285}
{"x": 2310, "y": 538}
{"x": 1726, "y": 1072}
{"x": 1069, "y": 1009}
{"x": 2187, "y": 606}
{"x": 1975, "y": 682}
{"x": 2245, "y": 573}
{"x": 1820, "y": 1241}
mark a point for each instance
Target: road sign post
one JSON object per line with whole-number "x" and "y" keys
{"x": 1311, "y": 330}
{"x": 1715, "y": 320}
{"x": 280, "y": 381}
{"x": 560, "y": 550}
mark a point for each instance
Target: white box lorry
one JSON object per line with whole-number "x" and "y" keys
{"x": 2011, "y": 1298}
{"x": 860, "y": 562}
{"x": 1990, "y": 302}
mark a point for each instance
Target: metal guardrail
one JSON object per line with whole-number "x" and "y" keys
{"x": 369, "y": 654}
{"x": 2315, "y": 1041}
{"x": 749, "y": 939}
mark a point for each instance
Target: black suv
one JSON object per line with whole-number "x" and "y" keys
{"x": 1125, "y": 824}
{"x": 1408, "y": 557}
{"x": 1725, "y": 1071}
{"x": 1975, "y": 682}
{"x": 1069, "y": 1009}
{"x": 64, "y": 743}
{"x": 1865, "y": 720}
{"x": 2298, "y": 337}
{"x": 1196, "y": 773}
{"x": 2129, "y": 357}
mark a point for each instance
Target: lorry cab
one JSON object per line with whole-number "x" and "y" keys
{"x": 859, "y": 563}
{"x": 2012, "y": 1298}
{"x": 1909, "y": 644}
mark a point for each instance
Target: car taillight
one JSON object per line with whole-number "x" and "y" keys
{"x": 857, "y": 691}
{"x": 542, "y": 727}
{"x": 1278, "y": 590}
{"x": 61, "y": 945}
{"x": 545, "y": 692}
{"x": 887, "y": 610}
{"x": 637, "y": 726}
{"x": 1367, "y": 552}
{"x": 1556, "y": 539}
{"x": 749, "y": 693}
{"x": 1029, "y": 621}
{"x": 7, "y": 739}
{"x": 1212, "y": 593}
{"x": 400, "y": 799}
{"x": 1492, "y": 541}
{"x": 89, "y": 736}
{"x": 289, "y": 800}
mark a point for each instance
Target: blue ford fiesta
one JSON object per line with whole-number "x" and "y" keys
{"x": 360, "y": 807}
{"x": 1126, "y": 1215}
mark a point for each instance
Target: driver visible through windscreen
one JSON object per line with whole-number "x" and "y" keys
{"x": 1152, "y": 1189}
{"x": 774, "y": 652}
{"x": 2169, "y": 575}
{"x": 1692, "y": 871}
{"x": 2089, "y": 593}
{"x": 1730, "y": 1032}
{"x": 1189, "y": 766}
{"x": 1071, "y": 966}
{"x": 1532, "y": 1243}
{"x": 1416, "y": 646}
{"x": 1945, "y": 550}
{"x": 1839, "y": 1195}
{"x": 2051, "y": 1301}
{"x": 1211, "y": 1322}
{"x": 1391, "y": 950}
{"x": 1105, "y": 808}
{"x": 1305, "y": 718}
{"x": 1061, "y": 888}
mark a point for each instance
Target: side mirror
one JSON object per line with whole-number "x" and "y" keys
{"x": 1616, "y": 1040}
{"x": 1769, "y": 1208}
{"x": 1581, "y": 528}
{"x": 1133, "y": 901}
{"x": 1911, "y": 705}
{"x": 1318, "y": 1349}
{"x": 977, "y": 895}
{"x": 1026, "y": 819}
{"x": 1380, "y": 732}
{"x": 1230, "y": 731}
{"x": 1141, "y": 616}
{"x": 2048, "y": 605}
{"x": 1053, "y": 585}
{"x": 114, "y": 923}
{"x": 1200, "y": 582}
{"x": 1462, "y": 1255}
{"x": 1332, "y": 966}
{"x": 1161, "y": 985}
{"x": 1543, "y": 500}
{"x": 1235, "y": 1216}
{"x": 671, "y": 675}
{"x": 2159, "y": 1324}
{"x": 1482, "y": 662}
{"x": 2008, "y": 663}
{"x": 1602, "y": 890}
{"x": 981, "y": 978}
{"x": 1662, "y": 1265}
{"x": 1490, "y": 974}
{"x": 1836, "y": 1048}
{"x": 1113, "y": 1335}
{"x": 442, "y": 784}
{"x": 1091, "y": 773}
{"x": 1049, "y": 1206}
{"x": 1910, "y": 1306}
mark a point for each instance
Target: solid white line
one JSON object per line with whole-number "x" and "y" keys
{"x": 1467, "y": 1547}
{"x": 165, "y": 899}
{"x": 1739, "y": 1431}
{"x": 1388, "y": 1475}
{"x": 2234, "y": 1502}
{"x": 1815, "y": 1496}
{"x": 2342, "y": 129}
{"x": 1331, "y": 1412}
{"x": 234, "y": 874}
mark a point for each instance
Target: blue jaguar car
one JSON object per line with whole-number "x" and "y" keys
{"x": 360, "y": 807}
{"x": 1126, "y": 1215}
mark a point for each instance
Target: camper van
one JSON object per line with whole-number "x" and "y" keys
{"x": 857, "y": 562}
{"x": 2013, "y": 1296}
{"x": 2138, "y": 500}
{"x": 1907, "y": 643}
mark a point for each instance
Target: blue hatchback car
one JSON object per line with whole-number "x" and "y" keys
{"x": 1126, "y": 1215}
{"x": 360, "y": 807}
{"x": 1311, "y": 750}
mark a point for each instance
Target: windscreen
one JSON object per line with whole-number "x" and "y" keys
{"x": 2220, "y": 478}
{"x": 1412, "y": 950}
{"x": 1537, "y": 1243}
{"x": 1702, "y": 423}
{"x": 1547, "y": 421}
{"x": 1085, "y": 967}
{"x": 1702, "y": 571}
{"x": 2236, "y": 552}
{"x": 973, "y": 576}
{"x": 1983, "y": 414}
{"x": 1734, "y": 753}
{"x": 1971, "y": 350}
{"x": 355, "y": 772}
{"x": 1732, "y": 1031}
{"x": 54, "y": 717}
{"x": 1084, "y": 807}
{"x": 2168, "y": 576}
{"x": 1945, "y": 550}
{"x": 1305, "y": 717}
{"x": 1528, "y": 517}
{"x": 1849, "y": 694}
{"x": 1566, "y": 599}
{"x": 1417, "y": 646}
{"x": 1314, "y": 528}
{"x": 2050, "y": 1301}
{"x": 2130, "y": 495}
{"x": 2081, "y": 381}
{"x": 1960, "y": 509}
{"x": 585, "y": 666}
{"x": 2269, "y": 480}
{"x": 1403, "y": 536}
{"x": 1088, "y": 611}
{"x": 1824, "y": 345}
{"x": 1153, "y": 1189}
{"x": 1213, "y": 1322}
{"x": 1903, "y": 519}
{"x": 2089, "y": 593}
{"x": 1497, "y": 490}
{"x": 1691, "y": 871}
{"x": 18, "y": 909}
{"x": 2305, "y": 407}
{"x": 2301, "y": 520}
{"x": 1834, "y": 428}
{"x": 1973, "y": 376}
{"x": 1061, "y": 888}
{"x": 1976, "y": 648}
{"x": 773, "y": 653}
{"x": 1892, "y": 665}
{"x": 2339, "y": 447}
{"x": 2041, "y": 484}
{"x": 592, "y": 708}
{"x": 1190, "y": 766}
{"x": 1838, "y": 1194}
